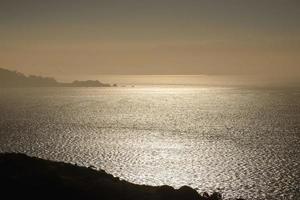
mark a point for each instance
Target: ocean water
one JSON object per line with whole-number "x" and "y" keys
{"x": 242, "y": 142}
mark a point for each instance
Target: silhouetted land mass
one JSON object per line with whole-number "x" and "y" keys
{"x": 23, "y": 177}
{"x": 16, "y": 79}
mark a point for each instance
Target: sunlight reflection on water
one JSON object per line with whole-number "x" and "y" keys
{"x": 239, "y": 141}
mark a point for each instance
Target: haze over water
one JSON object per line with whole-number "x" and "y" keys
{"x": 206, "y": 92}
{"x": 236, "y": 140}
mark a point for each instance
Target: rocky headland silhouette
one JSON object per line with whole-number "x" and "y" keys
{"x": 24, "y": 177}
{"x": 10, "y": 78}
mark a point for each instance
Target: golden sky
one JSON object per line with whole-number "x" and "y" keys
{"x": 151, "y": 37}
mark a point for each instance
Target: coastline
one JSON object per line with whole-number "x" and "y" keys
{"x": 23, "y": 176}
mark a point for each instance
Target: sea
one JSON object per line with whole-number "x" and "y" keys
{"x": 240, "y": 141}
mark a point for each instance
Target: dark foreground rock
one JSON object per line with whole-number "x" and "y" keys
{"x": 23, "y": 177}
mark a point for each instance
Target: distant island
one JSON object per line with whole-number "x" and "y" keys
{"x": 10, "y": 78}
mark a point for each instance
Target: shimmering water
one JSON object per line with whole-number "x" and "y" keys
{"x": 239, "y": 141}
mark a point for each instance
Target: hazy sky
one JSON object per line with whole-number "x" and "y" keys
{"x": 213, "y": 37}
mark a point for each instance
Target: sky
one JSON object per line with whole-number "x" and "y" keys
{"x": 86, "y": 38}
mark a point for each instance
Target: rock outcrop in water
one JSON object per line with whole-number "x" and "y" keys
{"x": 23, "y": 177}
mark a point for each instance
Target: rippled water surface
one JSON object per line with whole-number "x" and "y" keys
{"x": 239, "y": 141}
